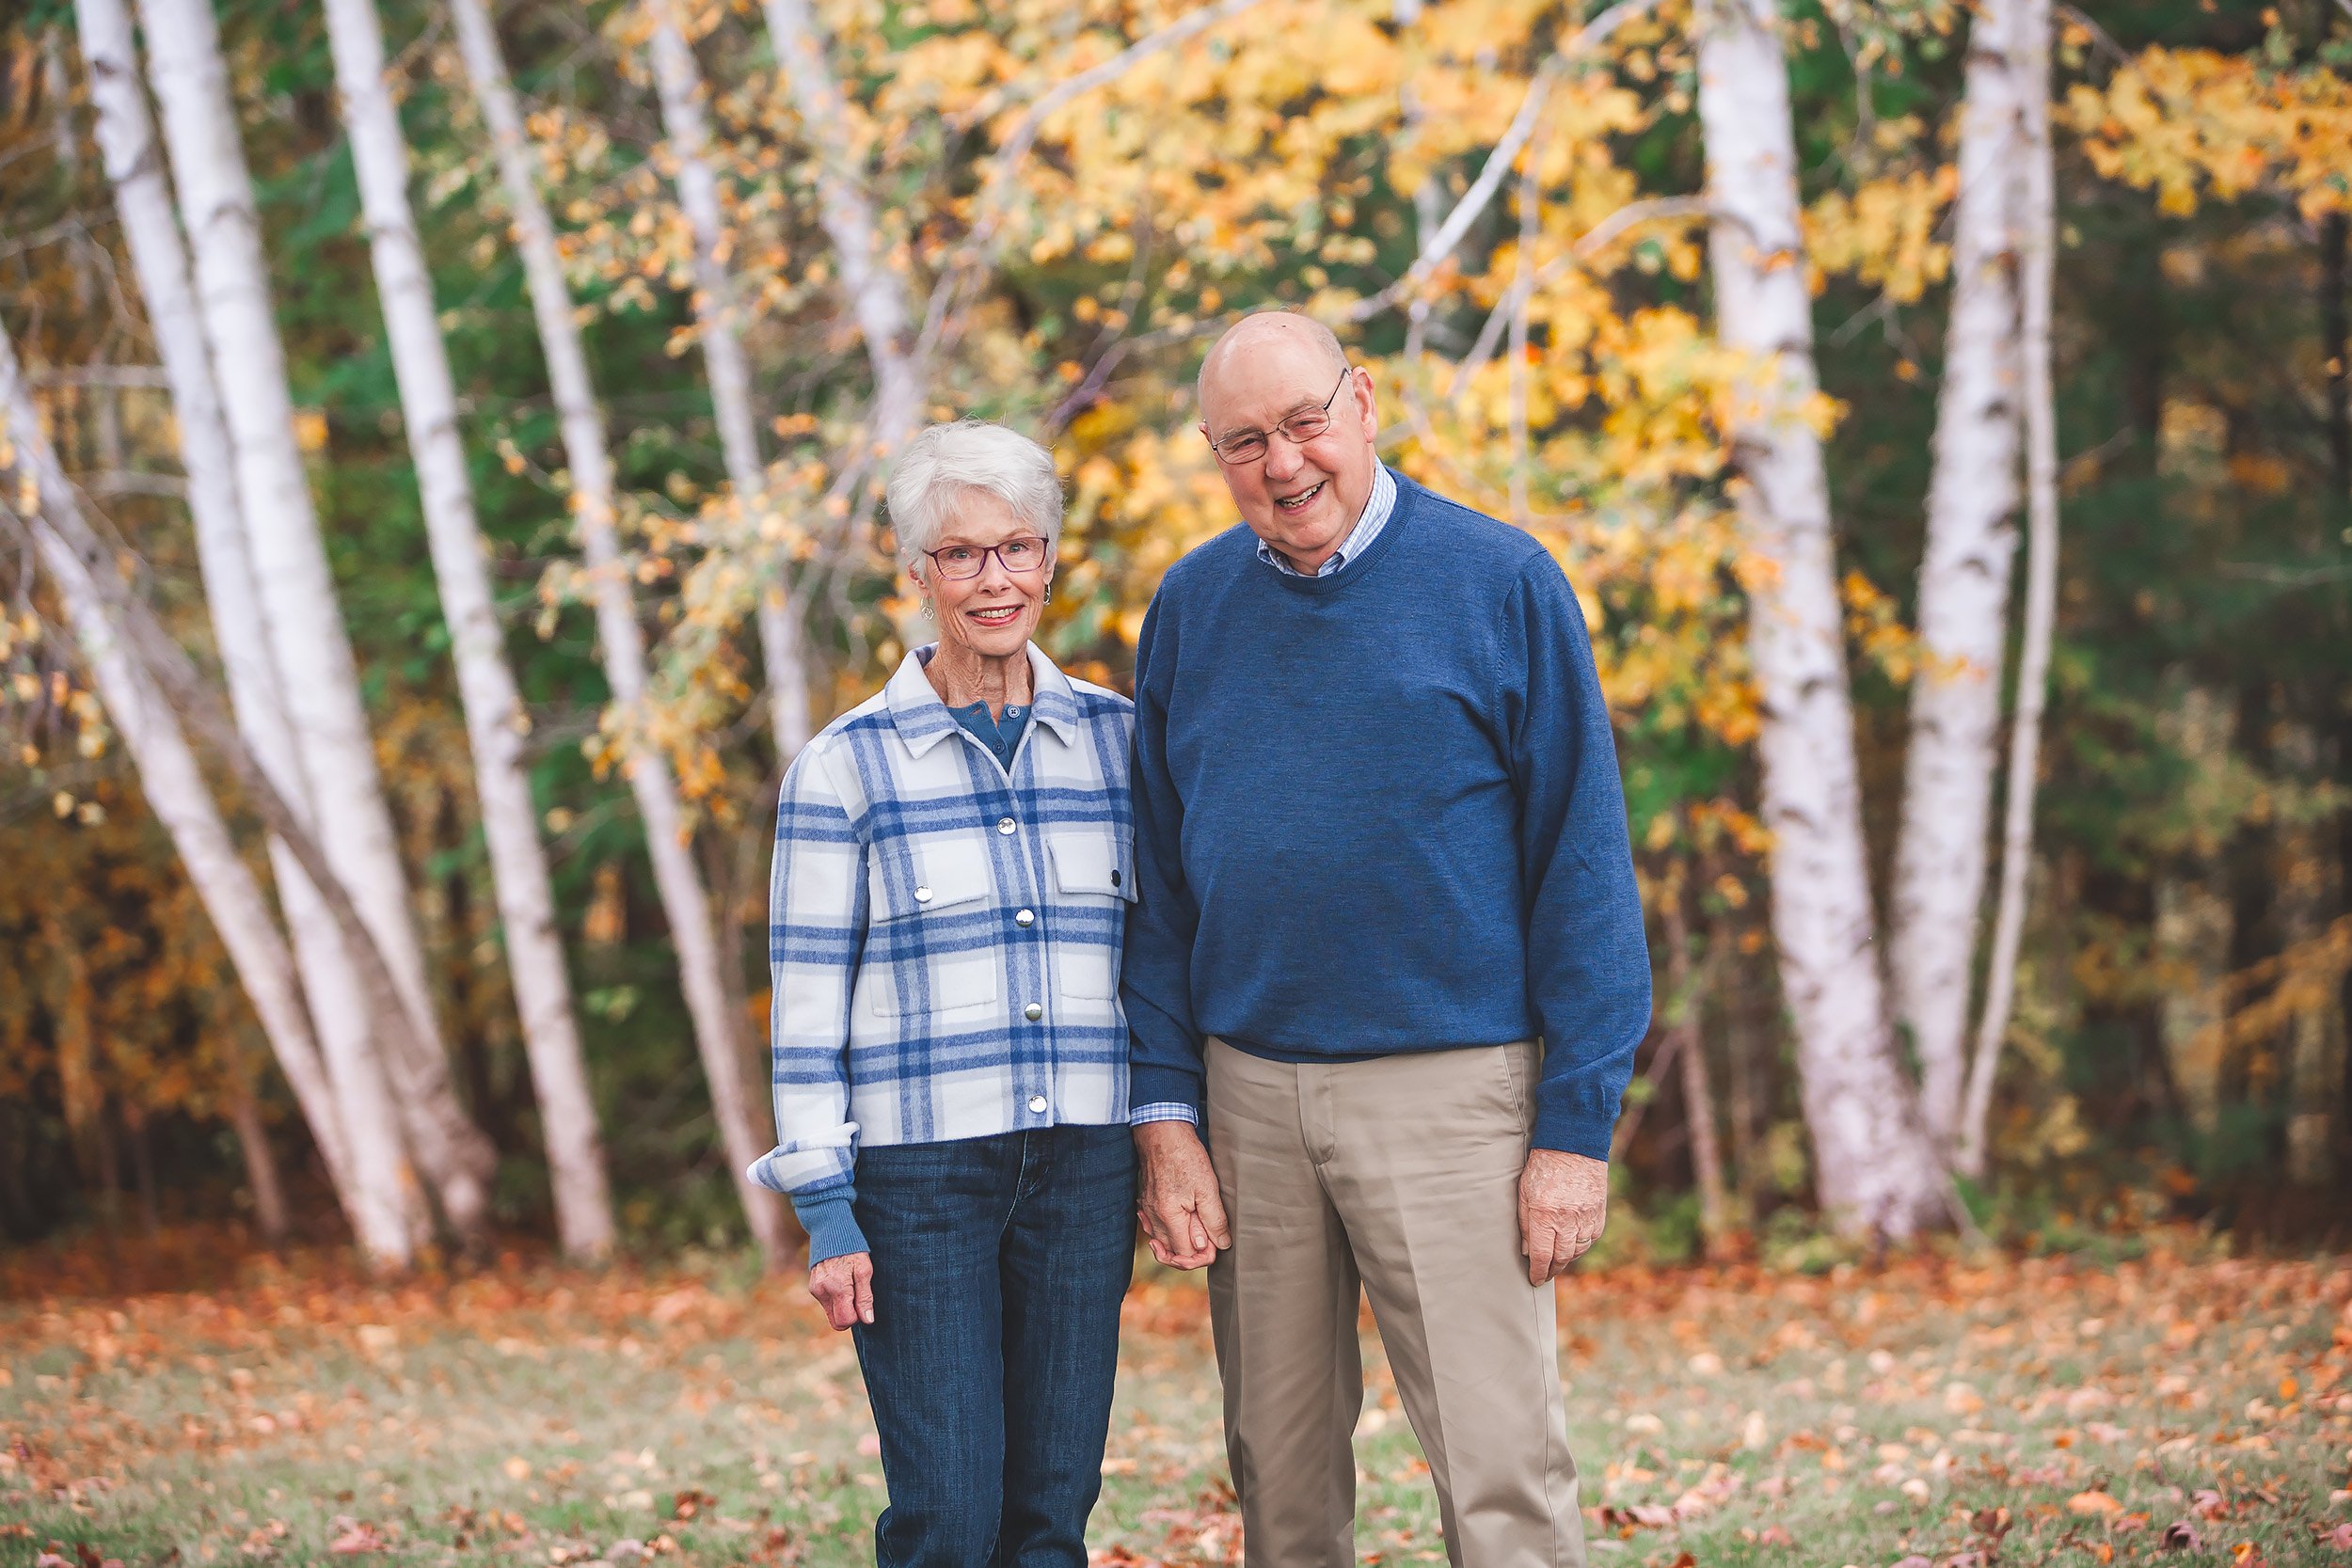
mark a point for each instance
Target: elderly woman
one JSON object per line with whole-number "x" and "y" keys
{"x": 953, "y": 868}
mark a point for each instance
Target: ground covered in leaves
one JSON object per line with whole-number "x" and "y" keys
{"x": 2179, "y": 1407}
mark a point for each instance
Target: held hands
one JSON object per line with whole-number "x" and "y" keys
{"x": 1183, "y": 1219}
{"x": 1564, "y": 1203}
{"x": 844, "y": 1287}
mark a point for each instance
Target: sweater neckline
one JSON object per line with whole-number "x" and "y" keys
{"x": 1407, "y": 496}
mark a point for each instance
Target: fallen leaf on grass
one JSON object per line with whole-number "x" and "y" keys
{"x": 356, "y": 1538}
{"x": 2092, "y": 1502}
{"x": 2181, "y": 1536}
{"x": 2340, "y": 1538}
{"x": 2207, "y": 1504}
{"x": 1915, "y": 1561}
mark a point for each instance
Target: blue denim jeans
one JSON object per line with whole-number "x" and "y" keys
{"x": 999, "y": 1264}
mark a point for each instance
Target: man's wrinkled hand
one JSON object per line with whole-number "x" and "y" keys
{"x": 844, "y": 1287}
{"x": 1183, "y": 1219}
{"x": 1564, "y": 1203}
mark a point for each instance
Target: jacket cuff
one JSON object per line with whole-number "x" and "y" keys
{"x": 1149, "y": 1084}
{"x": 1574, "y": 1131}
{"x": 830, "y": 1219}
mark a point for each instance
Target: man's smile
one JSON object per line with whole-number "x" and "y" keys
{"x": 1300, "y": 501}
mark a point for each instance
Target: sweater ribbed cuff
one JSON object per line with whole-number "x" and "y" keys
{"x": 831, "y": 1222}
{"x": 1148, "y": 1084}
{"x": 1575, "y": 1131}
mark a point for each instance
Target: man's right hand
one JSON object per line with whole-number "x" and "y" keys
{"x": 1183, "y": 1219}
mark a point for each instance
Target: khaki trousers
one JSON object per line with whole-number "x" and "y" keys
{"x": 1399, "y": 1175}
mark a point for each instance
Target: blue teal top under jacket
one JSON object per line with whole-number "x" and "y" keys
{"x": 1001, "y": 736}
{"x": 1378, "y": 812}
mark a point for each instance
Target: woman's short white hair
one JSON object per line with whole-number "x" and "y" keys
{"x": 948, "y": 463}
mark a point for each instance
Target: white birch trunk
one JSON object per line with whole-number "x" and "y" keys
{"x": 1874, "y": 1170}
{"x": 362, "y": 1154}
{"x": 877, "y": 298}
{"x": 126, "y": 139}
{"x": 717, "y": 1035}
{"x": 1963, "y": 591}
{"x": 496, "y": 721}
{"x": 308, "y": 642}
{"x": 2037, "y": 221}
{"x": 679, "y": 85}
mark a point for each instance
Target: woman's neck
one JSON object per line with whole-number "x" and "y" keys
{"x": 963, "y": 677}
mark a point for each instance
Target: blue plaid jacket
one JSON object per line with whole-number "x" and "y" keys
{"x": 944, "y": 935}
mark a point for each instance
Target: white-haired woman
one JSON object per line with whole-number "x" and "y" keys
{"x": 954, "y": 862}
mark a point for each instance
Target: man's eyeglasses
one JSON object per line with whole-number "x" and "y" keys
{"x": 1019, "y": 557}
{"x": 1247, "y": 446}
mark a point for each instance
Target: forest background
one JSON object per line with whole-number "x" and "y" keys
{"x": 444, "y": 451}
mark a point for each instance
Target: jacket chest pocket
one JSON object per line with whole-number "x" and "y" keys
{"x": 930, "y": 946}
{"x": 1095, "y": 881}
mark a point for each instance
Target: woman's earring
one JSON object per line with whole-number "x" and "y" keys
{"x": 926, "y": 609}
{"x": 1049, "y": 590}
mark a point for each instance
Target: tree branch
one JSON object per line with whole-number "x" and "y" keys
{"x": 1466, "y": 211}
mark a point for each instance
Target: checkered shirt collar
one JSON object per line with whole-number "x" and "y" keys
{"x": 922, "y": 720}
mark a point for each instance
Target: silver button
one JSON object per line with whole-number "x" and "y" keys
{"x": 922, "y": 895}
{"x": 1034, "y": 1011}
{"x": 1036, "y": 1103}
{"x": 1007, "y": 825}
{"x": 1024, "y": 918}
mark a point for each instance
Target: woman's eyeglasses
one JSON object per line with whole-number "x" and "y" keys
{"x": 1247, "y": 446}
{"x": 1018, "y": 556}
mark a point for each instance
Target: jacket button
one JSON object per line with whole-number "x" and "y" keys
{"x": 1036, "y": 1103}
{"x": 1007, "y": 825}
{"x": 1025, "y": 919}
{"x": 922, "y": 895}
{"x": 1034, "y": 1011}
{"x": 1114, "y": 879}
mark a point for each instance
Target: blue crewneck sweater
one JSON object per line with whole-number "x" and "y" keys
{"x": 1379, "y": 812}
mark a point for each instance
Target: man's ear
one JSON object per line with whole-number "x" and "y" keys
{"x": 1365, "y": 401}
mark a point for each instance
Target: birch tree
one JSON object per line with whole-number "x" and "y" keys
{"x": 1964, "y": 588}
{"x": 496, "y": 721}
{"x": 361, "y": 1153}
{"x": 2035, "y": 198}
{"x": 375, "y": 1178}
{"x": 621, "y": 641}
{"x": 1874, "y": 1168}
{"x": 308, "y": 644}
{"x": 678, "y": 84}
{"x": 877, "y": 296}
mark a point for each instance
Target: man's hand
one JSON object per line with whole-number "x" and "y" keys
{"x": 1563, "y": 1202}
{"x": 844, "y": 1287}
{"x": 1183, "y": 1219}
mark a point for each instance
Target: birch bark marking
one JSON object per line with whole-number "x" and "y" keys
{"x": 1873, "y": 1167}
{"x": 308, "y": 640}
{"x": 495, "y": 718}
{"x": 362, "y": 1154}
{"x": 1963, "y": 591}
{"x": 877, "y": 299}
{"x": 621, "y": 642}
{"x": 2037, "y": 217}
{"x": 353, "y": 1080}
{"x": 679, "y": 85}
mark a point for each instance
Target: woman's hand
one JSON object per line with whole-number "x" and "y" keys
{"x": 844, "y": 1287}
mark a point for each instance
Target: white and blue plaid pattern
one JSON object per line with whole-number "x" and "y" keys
{"x": 923, "y": 900}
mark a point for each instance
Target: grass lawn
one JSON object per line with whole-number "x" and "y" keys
{"x": 2177, "y": 1407}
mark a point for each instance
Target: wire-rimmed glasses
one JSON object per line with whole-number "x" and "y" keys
{"x": 1247, "y": 446}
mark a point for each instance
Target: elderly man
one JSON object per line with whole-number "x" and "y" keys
{"x": 1388, "y": 956}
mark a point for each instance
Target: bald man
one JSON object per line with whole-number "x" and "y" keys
{"x": 1388, "y": 956}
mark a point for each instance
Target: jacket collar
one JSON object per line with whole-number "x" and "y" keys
{"x": 922, "y": 720}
